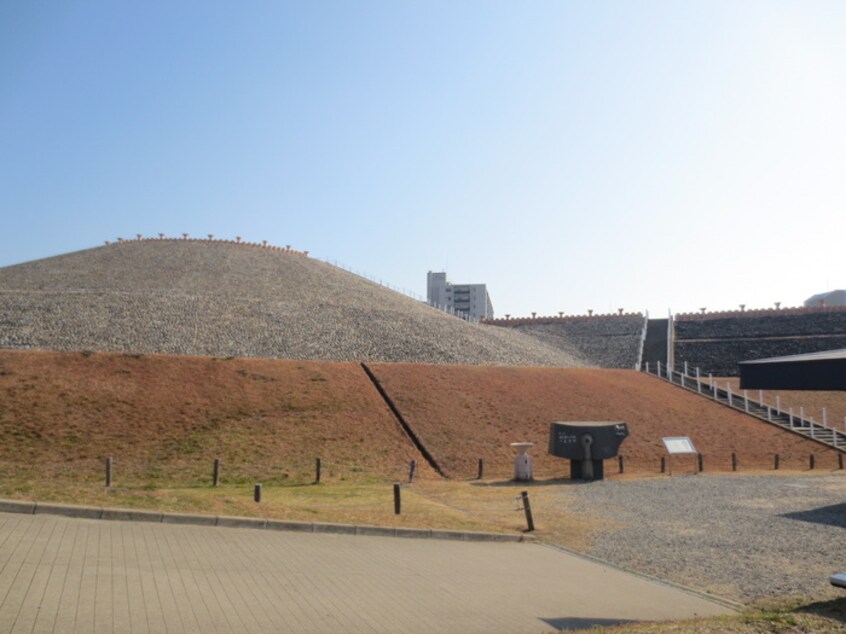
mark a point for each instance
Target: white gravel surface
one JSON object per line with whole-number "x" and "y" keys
{"x": 741, "y": 537}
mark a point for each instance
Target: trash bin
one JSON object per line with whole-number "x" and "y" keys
{"x": 522, "y": 461}
{"x": 586, "y": 444}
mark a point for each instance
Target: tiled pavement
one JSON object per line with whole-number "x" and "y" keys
{"x": 60, "y": 574}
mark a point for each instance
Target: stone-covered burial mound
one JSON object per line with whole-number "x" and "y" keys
{"x": 203, "y": 297}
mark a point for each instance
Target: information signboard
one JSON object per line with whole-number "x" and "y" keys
{"x": 679, "y": 444}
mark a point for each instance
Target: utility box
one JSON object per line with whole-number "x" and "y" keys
{"x": 586, "y": 445}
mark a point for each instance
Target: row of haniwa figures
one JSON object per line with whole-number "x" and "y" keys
{"x": 703, "y": 313}
{"x": 210, "y": 238}
{"x": 561, "y": 317}
{"x": 742, "y": 311}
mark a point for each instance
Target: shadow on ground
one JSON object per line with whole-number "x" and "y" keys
{"x": 834, "y": 515}
{"x": 514, "y": 484}
{"x": 567, "y": 623}
{"x": 833, "y": 609}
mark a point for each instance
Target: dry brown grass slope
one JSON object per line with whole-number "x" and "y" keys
{"x": 224, "y": 299}
{"x": 165, "y": 418}
{"x": 464, "y": 413}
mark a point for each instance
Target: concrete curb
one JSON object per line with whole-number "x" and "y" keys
{"x": 132, "y": 515}
{"x": 129, "y": 515}
{"x": 84, "y": 512}
{"x": 14, "y": 506}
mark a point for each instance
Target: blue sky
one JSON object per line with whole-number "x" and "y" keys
{"x": 571, "y": 155}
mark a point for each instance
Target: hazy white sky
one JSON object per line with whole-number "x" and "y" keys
{"x": 571, "y": 155}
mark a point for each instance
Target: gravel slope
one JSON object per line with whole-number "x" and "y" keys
{"x": 742, "y": 537}
{"x": 225, "y": 299}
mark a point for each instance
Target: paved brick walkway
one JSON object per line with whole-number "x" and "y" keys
{"x": 60, "y": 574}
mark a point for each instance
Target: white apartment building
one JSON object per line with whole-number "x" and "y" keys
{"x": 466, "y": 300}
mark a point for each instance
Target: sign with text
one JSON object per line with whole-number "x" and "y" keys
{"x": 679, "y": 444}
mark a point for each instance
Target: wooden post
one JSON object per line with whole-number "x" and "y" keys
{"x": 412, "y": 467}
{"x": 108, "y": 471}
{"x": 733, "y": 461}
{"x": 216, "y": 473}
{"x": 663, "y": 464}
{"x": 481, "y": 469}
{"x": 812, "y": 461}
{"x": 257, "y": 493}
{"x": 318, "y": 467}
{"x": 528, "y": 510}
{"x": 397, "y": 499}
{"x": 700, "y": 460}
{"x": 776, "y": 460}
{"x": 620, "y": 460}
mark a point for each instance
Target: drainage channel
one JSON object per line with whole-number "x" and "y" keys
{"x": 403, "y": 423}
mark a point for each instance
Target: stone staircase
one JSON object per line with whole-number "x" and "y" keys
{"x": 787, "y": 420}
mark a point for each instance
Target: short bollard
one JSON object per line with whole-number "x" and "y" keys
{"x": 776, "y": 461}
{"x": 109, "y": 471}
{"x": 663, "y": 464}
{"x": 397, "y": 500}
{"x": 527, "y": 508}
{"x": 700, "y": 462}
{"x": 257, "y": 493}
{"x": 412, "y": 467}
{"x": 733, "y": 461}
{"x": 840, "y": 461}
{"x": 317, "y": 469}
{"x": 620, "y": 461}
{"x": 216, "y": 472}
{"x": 812, "y": 461}
{"x": 481, "y": 469}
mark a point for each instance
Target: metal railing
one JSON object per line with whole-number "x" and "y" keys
{"x": 740, "y": 401}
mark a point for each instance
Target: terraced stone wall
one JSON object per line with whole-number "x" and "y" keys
{"x": 607, "y": 341}
{"x": 716, "y": 343}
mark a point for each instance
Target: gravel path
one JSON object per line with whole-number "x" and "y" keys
{"x": 741, "y": 537}
{"x": 225, "y": 299}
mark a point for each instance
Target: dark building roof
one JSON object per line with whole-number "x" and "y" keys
{"x": 824, "y": 370}
{"x": 799, "y": 358}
